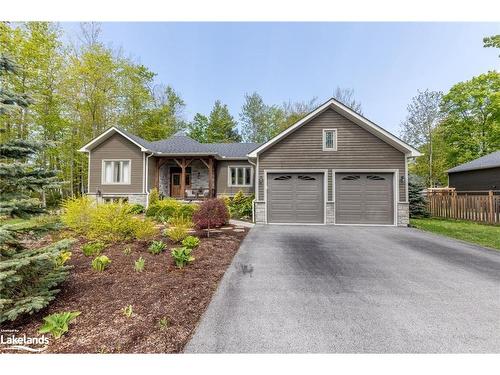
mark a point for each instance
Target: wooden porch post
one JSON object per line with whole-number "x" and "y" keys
{"x": 211, "y": 181}
{"x": 183, "y": 178}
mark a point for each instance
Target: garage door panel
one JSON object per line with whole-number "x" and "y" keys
{"x": 364, "y": 198}
{"x": 295, "y": 198}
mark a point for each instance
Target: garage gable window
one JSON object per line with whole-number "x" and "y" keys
{"x": 240, "y": 176}
{"x": 329, "y": 139}
{"x": 116, "y": 172}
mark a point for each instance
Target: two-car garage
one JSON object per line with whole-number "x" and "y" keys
{"x": 360, "y": 198}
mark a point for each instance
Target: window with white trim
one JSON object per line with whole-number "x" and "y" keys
{"x": 329, "y": 139}
{"x": 116, "y": 172}
{"x": 240, "y": 176}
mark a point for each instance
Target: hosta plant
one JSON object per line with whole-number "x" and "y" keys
{"x": 100, "y": 263}
{"x": 157, "y": 247}
{"x": 93, "y": 248}
{"x": 58, "y": 324}
{"x": 127, "y": 311}
{"x": 139, "y": 264}
{"x": 182, "y": 256}
{"x": 191, "y": 242}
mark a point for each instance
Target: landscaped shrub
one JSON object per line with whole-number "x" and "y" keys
{"x": 182, "y": 256}
{"x": 163, "y": 209}
{"x": 109, "y": 222}
{"x": 58, "y": 324}
{"x": 157, "y": 247}
{"x": 100, "y": 263}
{"x": 191, "y": 242}
{"x": 29, "y": 278}
{"x": 93, "y": 248}
{"x": 77, "y": 213}
{"x": 145, "y": 230}
{"x": 180, "y": 221}
{"x": 136, "y": 209}
{"x": 240, "y": 206}
{"x": 186, "y": 210}
{"x": 154, "y": 196}
{"x": 213, "y": 213}
{"x": 178, "y": 233}
{"x": 418, "y": 203}
{"x": 112, "y": 222}
{"x": 139, "y": 264}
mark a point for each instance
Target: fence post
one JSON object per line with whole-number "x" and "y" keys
{"x": 490, "y": 206}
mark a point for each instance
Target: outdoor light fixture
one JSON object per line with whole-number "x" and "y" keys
{"x": 402, "y": 179}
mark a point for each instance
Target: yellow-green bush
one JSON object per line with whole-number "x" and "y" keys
{"x": 154, "y": 196}
{"x": 179, "y": 220}
{"x": 108, "y": 222}
{"x": 77, "y": 213}
{"x": 163, "y": 209}
{"x": 178, "y": 233}
{"x": 145, "y": 230}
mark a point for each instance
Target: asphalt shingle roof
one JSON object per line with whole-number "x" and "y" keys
{"x": 488, "y": 161}
{"x": 181, "y": 144}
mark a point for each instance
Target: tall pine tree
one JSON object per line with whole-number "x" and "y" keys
{"x": 28, "y": 277}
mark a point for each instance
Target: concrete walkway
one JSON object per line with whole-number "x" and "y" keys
{"x": 354, "y": 289}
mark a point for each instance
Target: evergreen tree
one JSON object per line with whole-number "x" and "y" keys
{"x": 28, "y": 277}
{"x": 418, "y": 203}
{"x": 197, "y": 129}
{"x": 221, "y": 125}
{"x": 19, "y": 179}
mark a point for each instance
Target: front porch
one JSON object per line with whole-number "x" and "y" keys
{"x": 188, "y": 178}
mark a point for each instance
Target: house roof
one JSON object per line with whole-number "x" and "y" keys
{"x": 488, "y": 161}
{"x": 351, "y": 115}
{"x": 178, "y": 144}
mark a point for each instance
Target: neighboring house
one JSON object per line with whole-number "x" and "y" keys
{"x": 334, "y": 166}
{"x": 481, "y": 174}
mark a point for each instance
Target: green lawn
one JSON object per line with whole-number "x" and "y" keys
{"x": 481, "y": 234}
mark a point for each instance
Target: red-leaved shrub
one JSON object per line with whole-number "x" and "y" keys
{"x": 212, "y": 213}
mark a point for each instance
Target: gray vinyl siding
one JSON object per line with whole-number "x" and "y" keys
{"x": 476, "y": 180}
{"x": 221, "y": 184}
{"x": 356, "y": 149}
{"x": 116, "y": 147}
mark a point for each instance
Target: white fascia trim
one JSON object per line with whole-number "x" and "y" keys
{"x": 349, "y": 113}
{"x": 103, "y": 135}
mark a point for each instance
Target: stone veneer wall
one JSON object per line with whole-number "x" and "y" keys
{"x": 132, "y": 198}
{"x": 259, "y": 212}
{"x": 330, "y": 212}
{"x": 403, "y": 214}
{"x": 197, "y": 182}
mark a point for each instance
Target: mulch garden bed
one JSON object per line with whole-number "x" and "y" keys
{"x": 160, "y": 292}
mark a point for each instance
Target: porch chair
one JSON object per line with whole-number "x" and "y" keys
{"x": 190, "y": 194}
{"x": 206, "y": 193}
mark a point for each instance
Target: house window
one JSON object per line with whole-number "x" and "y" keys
{"x": 329, "y": 139}
{"x": 240, "y": 176}
{"x": 116, "y": 172}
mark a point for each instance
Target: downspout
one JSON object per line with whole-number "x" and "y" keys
{"x": 255, "y": 174}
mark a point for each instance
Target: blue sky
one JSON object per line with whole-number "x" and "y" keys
{"x": 385, "y": 63}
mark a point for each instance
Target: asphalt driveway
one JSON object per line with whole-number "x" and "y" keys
{"x": 354, "y": 289}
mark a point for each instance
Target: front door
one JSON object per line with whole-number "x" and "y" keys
{"x": 175, "y": 184}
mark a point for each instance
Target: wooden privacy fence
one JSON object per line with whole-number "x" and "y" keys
{"x": 483, "y": 207}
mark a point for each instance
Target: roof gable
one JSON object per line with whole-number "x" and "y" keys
{"x": 349, "y": 114}
{"x": 138, "y": 141}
